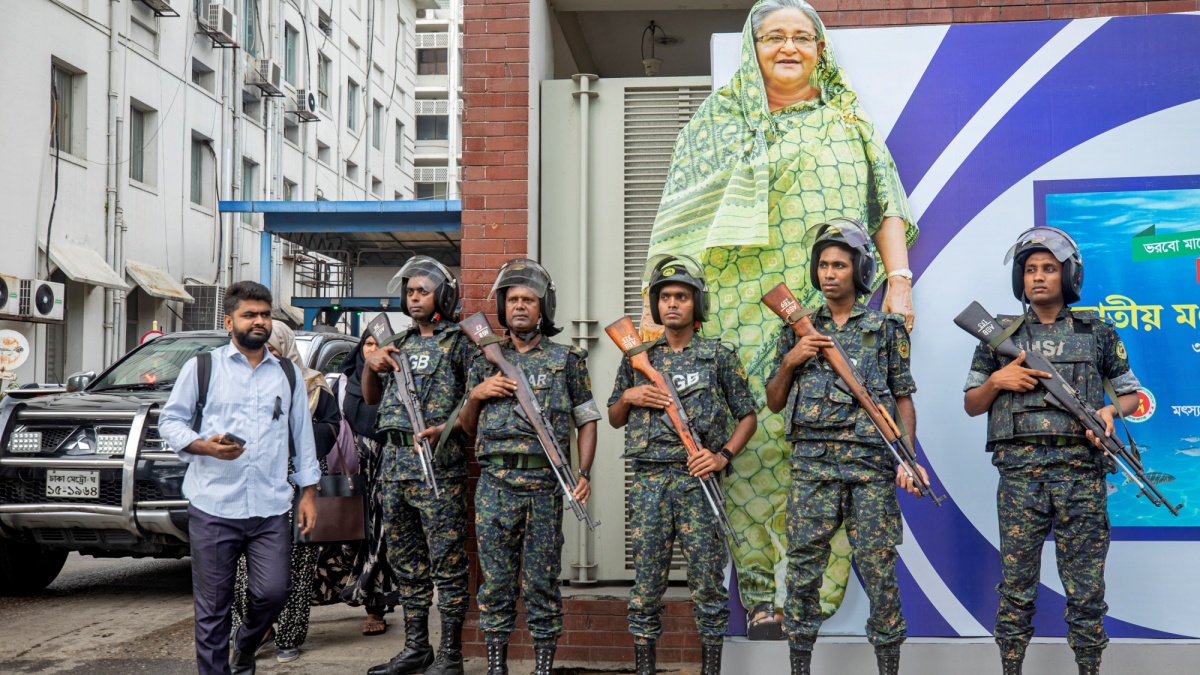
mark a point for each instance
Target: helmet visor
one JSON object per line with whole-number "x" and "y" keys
{"x": 841, "y": 230}
{"x": 429, "y": 272}
{"x": 523, "y": 272}
{"x": 1052, "y": 239}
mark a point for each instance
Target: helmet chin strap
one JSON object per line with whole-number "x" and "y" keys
{"x": 526, "y": 337}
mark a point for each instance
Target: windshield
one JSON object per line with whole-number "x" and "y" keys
{"x": 158, "y": 362}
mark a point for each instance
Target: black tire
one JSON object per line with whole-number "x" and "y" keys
{"x": 27, "y": 568}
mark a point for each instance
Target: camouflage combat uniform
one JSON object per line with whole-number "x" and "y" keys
{"x": 427, "y": 537}
{"x": 1051, "y": 479}
{"x": 664, "y": 500}
{"x": 518, "y": 505}
{"x": 842, "y": 472}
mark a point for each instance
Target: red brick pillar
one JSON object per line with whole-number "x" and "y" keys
{"x": 495, "y": 159}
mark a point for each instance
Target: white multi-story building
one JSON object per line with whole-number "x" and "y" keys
{"x": 438, "y": 51}
{"x": 119, "y": 144}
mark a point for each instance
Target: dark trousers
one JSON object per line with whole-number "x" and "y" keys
{"x": 216, "y": 545}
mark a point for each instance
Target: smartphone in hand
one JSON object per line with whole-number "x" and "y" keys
{"x": 234, "y": 439}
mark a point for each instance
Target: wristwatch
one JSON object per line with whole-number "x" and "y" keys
{"x": 903, "y": 272}
{"x": 724, "y": 452}
{"x": 584, "y": 473}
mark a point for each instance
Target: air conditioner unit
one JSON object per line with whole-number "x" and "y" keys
{"x": 208, "y": 311}
{"x": 305, "y": 105}
{"x": 223, "y": 21}
{"x": 266, "y": 75}
{"x": 10, "y": 295}
{"x": 41, "y": 300}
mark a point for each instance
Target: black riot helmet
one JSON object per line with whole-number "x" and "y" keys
{"x": 1055, "y": 242}
{"x": 851, "y": 235}
{"x": 529, "y": 274}
{"x": 442, "y": 284}
{"x": 679, "y": 269}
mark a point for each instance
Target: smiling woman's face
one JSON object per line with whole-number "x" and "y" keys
{"x": 788, "y": 65}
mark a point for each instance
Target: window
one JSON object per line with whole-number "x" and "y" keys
{"x": 352, "y": 171}
{"x": 202, "y": 75}
{"x": 324, "y": 23}
{"x": 377, "y": 187}
{"x": 433, "y": 127}
{"x": 68, "y": 99}
{"x": 431, "y": 62}
{"x": 252, "y": 107}
{"x": 431, "y": 190}
{"x": 291, "y": 131}
{"x": 249, "y": 192}
{"x": 201, "y": 163}
{"x": 399, "y": 143}
{"x": 291, "y": 191}
{"x": 142, "y": 142}
{"x": 351, "y": 104}
{"x": 323, "y": 153}
{"x": 324, "y": 67}
{"x": 249, "y": 26}
{"x": 290, "y": 36}
{"x": 377, "y": 126}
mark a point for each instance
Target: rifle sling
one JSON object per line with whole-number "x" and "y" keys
{"x": 1112, "y": 395}
{"x": 1007, "y": 332}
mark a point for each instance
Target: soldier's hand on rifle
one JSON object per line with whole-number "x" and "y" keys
{"x": 647, "y": 396}
{"x": 431, "y": 433}
{"x": 583, "y": 490}
{"x": 1016, "y": 377}
{"x": 706, "y": 462}
{"x": 496, "y": 386}
{"x": 906, "y": 482}
{"x": 1106, "y": 414}
{"x": 808, "y": 347}
{"x": 380, "y": 360}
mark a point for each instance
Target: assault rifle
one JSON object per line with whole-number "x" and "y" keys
{"x": 406, "y": 386}
{"x": 782, "y": 302}
{"x": 476, "y": 327}
{"x": 626, "y": 336}
{"x": 978, "y": 322}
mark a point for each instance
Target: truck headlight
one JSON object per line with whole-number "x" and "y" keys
{"x": 110, "y": 444}
{"x": 26, "y": 442}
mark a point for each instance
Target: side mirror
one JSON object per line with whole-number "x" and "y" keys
{"x": 80, "y": 381}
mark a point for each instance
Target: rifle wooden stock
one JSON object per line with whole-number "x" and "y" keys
{"x": 480, "y": 332}
{"x": 781, "y": 301}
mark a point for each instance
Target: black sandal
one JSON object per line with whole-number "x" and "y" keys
{"x": 769, "y": 628}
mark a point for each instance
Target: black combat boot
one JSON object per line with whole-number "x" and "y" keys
{"x": 710, "y": 659}
{"x": 889, "y": 664}
{"x": 645, "y": 659}
{"x": 497, "y": 653}
{"x": 543, "y": 656}
{"x": 1011, "y": 666}
{"x": 1092, "y": 668}
{"x": 449, "y": 659}
{"x": 801, "y": 662}
{"x": 417, "y": 654}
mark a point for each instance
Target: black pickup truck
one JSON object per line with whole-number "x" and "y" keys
{"x": 87, "y": 471}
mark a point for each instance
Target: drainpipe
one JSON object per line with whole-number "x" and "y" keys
{"x": 110, "y": 189}
{"x": 583, "y": 325}
{"x": 369, "y": 106}
{"x": 455, "y": 121}
{"x": 118, "y": 340}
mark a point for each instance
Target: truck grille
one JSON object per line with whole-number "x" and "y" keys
{"x": 15, "y": 490}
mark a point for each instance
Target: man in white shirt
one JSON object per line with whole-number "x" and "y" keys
{"x": 237, "y": 446}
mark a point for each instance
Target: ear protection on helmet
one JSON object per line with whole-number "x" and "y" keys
{"x": 852, "y": 235}
{"x": 445, "y": 284}
{"x": 680, "y": 269}
{"x": 529, "y": 274}
{"x": 1059, "y": 244}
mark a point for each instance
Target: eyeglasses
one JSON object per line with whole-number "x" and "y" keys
{"x": 775, "y": 41}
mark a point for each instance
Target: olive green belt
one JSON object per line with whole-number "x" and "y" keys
{"x": 401, "y": 439}
{"x": 1057, "y": 441}
{"x": 511, "y": 461}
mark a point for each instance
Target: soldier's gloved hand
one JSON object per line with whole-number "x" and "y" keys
{"x": 583, "y": 490}
{"x": 496, "y": 386}
{"x": 906, "y": 482}
{"x": 647, "y": 396}
{"x": 1106, "y": 414}
{"x": 1016, "y": 377}
{"x": 706, "y": 462}
{"x": 808, "y": 347}
{"x": 380, "y": 360}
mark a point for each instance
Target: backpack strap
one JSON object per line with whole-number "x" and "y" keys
{"x": 289, "y": 371}
{"x": 203, "y": 375}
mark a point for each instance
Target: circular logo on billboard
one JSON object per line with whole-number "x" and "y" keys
{"x": 1146, "y": 406}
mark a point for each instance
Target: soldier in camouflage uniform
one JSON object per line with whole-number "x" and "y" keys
{"x": 518, "y": 506}
{"x": 841, "y": 470}
{"x": 1050, "y": 478}
{"x": 666, "y": 500}
{"x": 426, "y": 535}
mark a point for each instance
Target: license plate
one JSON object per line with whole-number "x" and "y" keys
{"x": 73, "y": 484}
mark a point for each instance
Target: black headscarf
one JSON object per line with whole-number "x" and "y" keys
{"x": 360, "y": 415}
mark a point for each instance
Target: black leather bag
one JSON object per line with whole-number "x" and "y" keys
{"x": 341, "y": 502}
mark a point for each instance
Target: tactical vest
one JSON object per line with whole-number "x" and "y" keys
{"x": 439, "y": 387}
{"x": 650, "y": 436}
{"x": 546, "y": 371}
{"x": 1071, "y": 347}
{"x": 819, "y": 411}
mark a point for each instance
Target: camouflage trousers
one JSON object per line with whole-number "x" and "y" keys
{"x": 871, "y": 513}
{"x": 427, "y": 545}
{"x": 664, "y": 504}
{"x": 1077, "y": 511}
{"x": 520, "y": 550}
